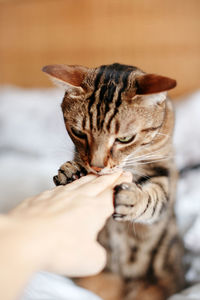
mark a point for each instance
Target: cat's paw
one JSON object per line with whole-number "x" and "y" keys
{"x": 128, "y": 202}
{"x": 69, "y": 172}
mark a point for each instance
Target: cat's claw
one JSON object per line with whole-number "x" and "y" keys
{"x": 69, "y": 172}
{"x": 56, "y": 180}
{"x": 117, "y": 217}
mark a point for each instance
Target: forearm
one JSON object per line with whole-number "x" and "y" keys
{"x": 18, "y": 258}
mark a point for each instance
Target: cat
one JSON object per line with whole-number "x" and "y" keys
{"x": 120, "y": 117}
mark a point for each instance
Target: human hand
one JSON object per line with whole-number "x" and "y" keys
{"x": 63, "y": 224}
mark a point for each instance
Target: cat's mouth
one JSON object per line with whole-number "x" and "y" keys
{"x": 100, "y": 171}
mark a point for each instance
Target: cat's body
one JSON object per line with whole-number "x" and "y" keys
{"x": 120, "y": 117}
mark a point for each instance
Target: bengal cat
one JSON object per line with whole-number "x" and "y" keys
{"x": 120, "y": 117}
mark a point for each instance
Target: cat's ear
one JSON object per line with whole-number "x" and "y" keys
{"x": 153, "y": 88}
{"x": 152, "y": 83}
{"x": 69, "y": 77}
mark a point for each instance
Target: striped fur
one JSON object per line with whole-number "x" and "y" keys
{"x": 141, "y": 238}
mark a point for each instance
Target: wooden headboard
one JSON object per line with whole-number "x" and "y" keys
{"x": 158, "y": 36}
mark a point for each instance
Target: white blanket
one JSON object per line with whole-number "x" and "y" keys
{"x": 34, "y": 143}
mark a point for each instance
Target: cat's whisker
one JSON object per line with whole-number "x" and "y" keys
{"x": 146, "y": 154}
{"x": 133, "y": 154}
{"x": 147, "y": 158}
{"x": 163, "y": 134}
{"x": 129, "y": 158}
{"x": 139, "y": 149}
{"x": 150, "y": 162}
{"x": 139, "y": 171}
{"x": 144, "y": 159}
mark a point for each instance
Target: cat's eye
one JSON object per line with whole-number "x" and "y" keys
{"x": 78, "y": 133}
{"x": 126, "y": 139}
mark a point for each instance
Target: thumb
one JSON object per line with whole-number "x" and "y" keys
{"x": 94, "y": 265}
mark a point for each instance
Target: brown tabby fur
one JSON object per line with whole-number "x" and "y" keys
{"x": 120, "y": 117}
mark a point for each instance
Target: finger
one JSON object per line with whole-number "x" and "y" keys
{"x": 77, "y": 266}
{"x": 125, "y": 177}
{"x": 73, "y": 185}
{"x": 104, "y": 200}
{"x": 79, "y": 182}
{"x": 104, "y": 206}
{"x": 98, "y": 254}
{"x": 106, "y": 183}
{"x": 94, "y": 265}
{"x": 99, "y": 184}
{"x": 82, "y": 184}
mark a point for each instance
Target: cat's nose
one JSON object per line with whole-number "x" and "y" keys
{"x": 97, "y": 169}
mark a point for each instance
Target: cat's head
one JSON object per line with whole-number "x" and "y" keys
{"x": 112, "y": 112}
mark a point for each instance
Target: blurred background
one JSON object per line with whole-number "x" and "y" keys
{"x": 155, "y": 35}
{"x": 158, "y": 36}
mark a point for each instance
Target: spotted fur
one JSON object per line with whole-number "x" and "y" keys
{"x": 120, "y": 117}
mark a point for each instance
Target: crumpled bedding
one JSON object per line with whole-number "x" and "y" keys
{"x": 48, "y": 286}
{"x": 34, "y": 143}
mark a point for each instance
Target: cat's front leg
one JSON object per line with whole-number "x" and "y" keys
{"x": 69, "y": 172}
{"x": 141, "y": 203}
